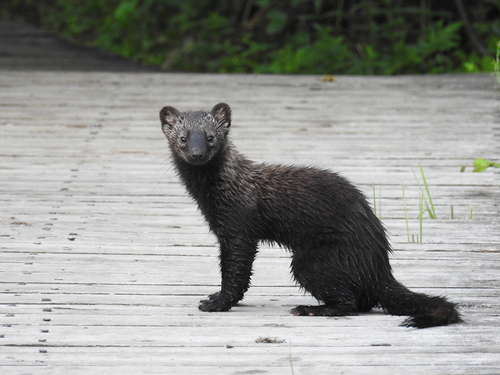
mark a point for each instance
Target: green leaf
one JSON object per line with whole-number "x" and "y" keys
{"x": 124, "y": 10}
{"x": 480, "y": 165}
{"x": 277, "y": 20}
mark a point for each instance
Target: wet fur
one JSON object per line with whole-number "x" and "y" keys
{"x": 340, "y": 252}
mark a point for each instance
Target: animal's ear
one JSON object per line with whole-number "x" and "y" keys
{"x": 168, "y": 117}
{"x": 222, "y": 114}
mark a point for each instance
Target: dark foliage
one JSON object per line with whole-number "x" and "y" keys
{"x": 276, "y": 36}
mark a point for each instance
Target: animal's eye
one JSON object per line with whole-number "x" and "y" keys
{"x": 183, "y": 139}
{"x": 210, "y": 138}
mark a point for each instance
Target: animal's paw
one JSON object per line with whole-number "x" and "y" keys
{"x": 214, "y": 295}
{"x": 322, "y": 310}
{"x": 214, "y": 303}
{"x": 302, "y": 311}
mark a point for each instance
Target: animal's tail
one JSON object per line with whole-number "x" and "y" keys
{"x": 424, "y": 311}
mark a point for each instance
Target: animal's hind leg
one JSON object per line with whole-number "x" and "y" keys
{"x": 327, "y": 283}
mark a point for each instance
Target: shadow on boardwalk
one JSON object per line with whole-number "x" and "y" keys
{"x": 25, "y": 47}
{"x": 104, "y": 257}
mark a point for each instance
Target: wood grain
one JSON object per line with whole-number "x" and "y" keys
{"x": 104, "y": 257}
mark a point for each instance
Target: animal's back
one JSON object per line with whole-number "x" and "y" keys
{"x": 311, "y": 204}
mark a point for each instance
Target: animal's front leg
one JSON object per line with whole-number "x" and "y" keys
{"x": 236, "y": 259}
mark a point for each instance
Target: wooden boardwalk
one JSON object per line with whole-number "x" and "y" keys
{"x": 104, "y": 257}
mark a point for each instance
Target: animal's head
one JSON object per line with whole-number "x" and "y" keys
{"x": 196, "y": 136}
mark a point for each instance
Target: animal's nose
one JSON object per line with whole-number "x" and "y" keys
{"x": 196, "y": 153}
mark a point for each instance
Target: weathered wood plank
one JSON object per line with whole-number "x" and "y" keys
{"x": 105, "y": 258}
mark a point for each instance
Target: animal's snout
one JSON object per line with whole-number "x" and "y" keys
{"x": 198, "y": 150}
{"x": 197, "y": 153}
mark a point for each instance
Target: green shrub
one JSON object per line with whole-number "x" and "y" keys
{"x": 277, "y": 36}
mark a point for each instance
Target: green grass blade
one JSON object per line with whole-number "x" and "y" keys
{"x": 422, "y": 191}
{"x": 421, "y": 204}
{"x": 427, "y": 209}
{"x": 428, "y": 193}
{"x": 406, "y": 215}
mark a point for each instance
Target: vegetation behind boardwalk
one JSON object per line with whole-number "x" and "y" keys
{"x": 277, "y": 36}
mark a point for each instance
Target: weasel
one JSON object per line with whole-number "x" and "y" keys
{"x": 340, "y": 251}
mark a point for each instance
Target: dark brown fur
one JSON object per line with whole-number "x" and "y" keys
{"x": 340, "y": 252}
